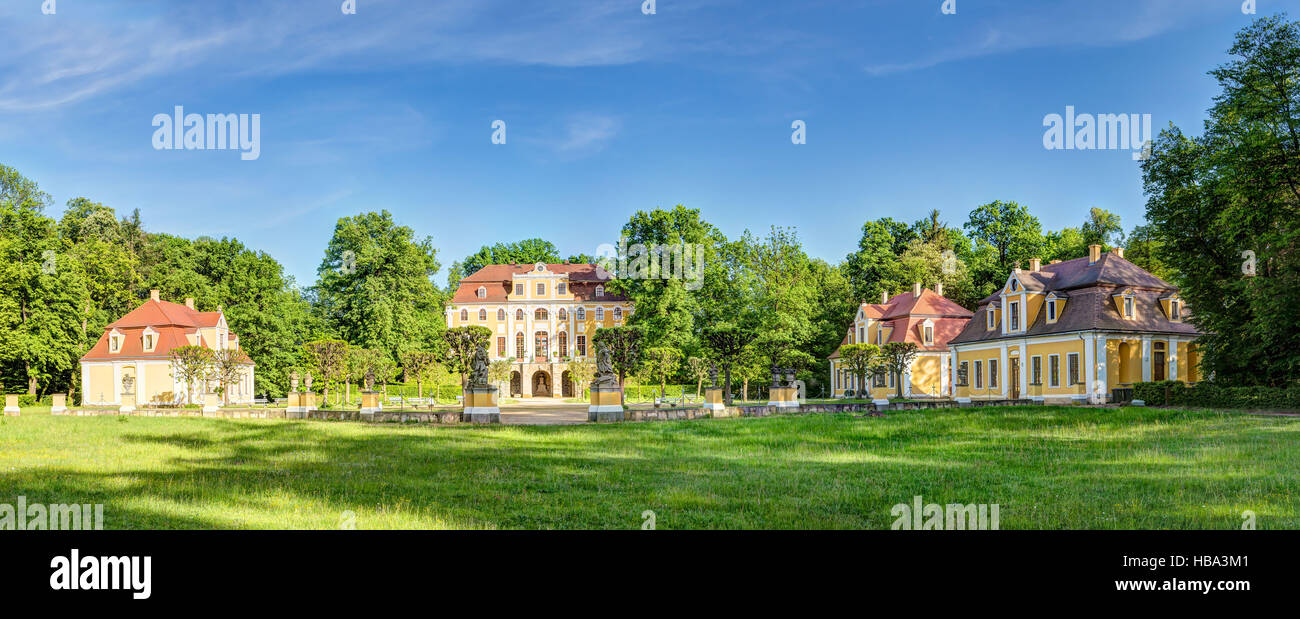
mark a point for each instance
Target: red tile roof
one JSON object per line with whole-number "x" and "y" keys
{"x": 174, "y": 324}
{"x": 497, "y": 279}
{"x": 906, "y": 314}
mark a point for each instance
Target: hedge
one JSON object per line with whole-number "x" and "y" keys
{"x": 1210, "y": 395}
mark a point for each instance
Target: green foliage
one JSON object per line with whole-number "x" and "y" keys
{"x": 859, "y": 360}
{"x": 624, "y": 344}
{"x": 527, "y": 251}
{"x": 896, "y": 358}
{"x": 461, "y": 344}
{"x": 1233, "y": 190}
{"x": 375, "y": 288}
{"x": 192, "y": 366}
{"x": 1005, "y": 235}
{"x": 1213, "y": 395}
{"x": 661, "y": 362}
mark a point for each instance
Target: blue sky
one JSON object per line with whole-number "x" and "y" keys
{"x": 608, "y": 110}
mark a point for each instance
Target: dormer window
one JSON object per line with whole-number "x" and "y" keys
{"x": 1015, "y": 285}
{"x": 990, "y": 320}
{"x": 115, "y": 343}
{"x": 928, "y": 336}
{"x": 150, "y": 339}
{"x": 1013, "y": 314}
{"x": 1128, "y": 307}
{"x": 561, "y": 288}
{"x": 482, "y": 292}
{"x": 600, "y": 291}
{"x": 1175, "y": 309}
{"x": 1051, "y": 310}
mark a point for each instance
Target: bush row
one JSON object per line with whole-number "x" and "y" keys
{"x": 1209, "y": 395}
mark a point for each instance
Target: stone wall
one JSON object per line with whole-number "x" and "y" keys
{"x": 279, "y": 413}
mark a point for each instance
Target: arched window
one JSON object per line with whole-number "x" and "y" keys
{"x": 580, "y": 314}
{"x": 563, "y": 350}
{"x": 519, "y": 314}
{"x": 482, "y": 314}
{"x": 600, "y": 313}
{"x": 464, "y": 315}
{"x": 519, "y": 345}
{"x": 501, "y": 314}
{"x": 600, "y": 291}
{"x": 563, "y": 314}
{"x": 540, "y": 314}
{"x": 482, "y": 292}
{"x": 618, "y": 313}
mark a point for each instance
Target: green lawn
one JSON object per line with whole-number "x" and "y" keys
{"x": 1047, "y": 467}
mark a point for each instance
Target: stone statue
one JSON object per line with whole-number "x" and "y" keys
{"x": 789, "y": 377}
{"x": 605, "y": 376}
{"x": 370, "y": 379}
{"x": 776, "y": 376}
{"x": 128, "y": 384}
{"x": 478, "y": 369}
{"x": 293, "y": 382}
{"x": 713, "y": 374}
{"x": 307, "y": 382}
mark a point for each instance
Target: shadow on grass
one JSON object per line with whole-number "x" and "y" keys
{"x": 1047, "y": 467}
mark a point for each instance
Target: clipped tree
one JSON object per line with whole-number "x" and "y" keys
{"x": 582, "y": 370}
{"x": 330, "y": 359}
{"x": 499, "y": 370}
{"x": 699, "y": 367}
{"x": 461, "y": 344}
{"x": 728, "y": 343}
{"x": 227, "y": 365}
{"x": 859, "y": 359}
{"x": 191, "y": 365}
{"x": 415, "y": 366}
{"x": 661, "y": 362}
{"x": 895, "y": 358}
{"x": 624, "y": 345}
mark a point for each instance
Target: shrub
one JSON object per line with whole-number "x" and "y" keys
{"x": 1210, "y": 395}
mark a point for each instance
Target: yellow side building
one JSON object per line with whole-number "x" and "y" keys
{"x": 1074, "y": 331}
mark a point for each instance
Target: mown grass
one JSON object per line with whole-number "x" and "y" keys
{"x": 1047, "y": 468}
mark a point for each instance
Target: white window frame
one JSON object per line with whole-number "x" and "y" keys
{"x": 1054, "y": 370}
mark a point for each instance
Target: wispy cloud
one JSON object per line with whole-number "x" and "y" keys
{"x": 979, "y": 30}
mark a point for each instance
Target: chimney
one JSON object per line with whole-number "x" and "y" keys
{"x": 938, "y": 288}
{"x": 1119, "y": 251}
{"x": 916, "y": 289}
{"x": 1035, "y": 264}
{"x": 189, "y": 302}
{"x": 153, "y": 295}
{"x": 1094, "y": 253}
{"x": 884, "y": 297}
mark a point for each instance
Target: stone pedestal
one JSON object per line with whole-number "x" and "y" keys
{"x": 299, "y": 404}
{"x": 60, "y": 404}
{"x": 784, "y": 397}
{"x": 128, "y": 403}
{"x": 211, "y": 402}
{"x": 714, "y": 400}
{"x": 606, "y": 404}
{"x": 481, "y": 405}
{"x": 11, "y": 405}
{"x": 371, "y": 403}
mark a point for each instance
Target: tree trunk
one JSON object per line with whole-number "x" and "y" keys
{"x": 726, "y": 373}
{"x": 699, "y": 383}
{"x": 745, "y": 392}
